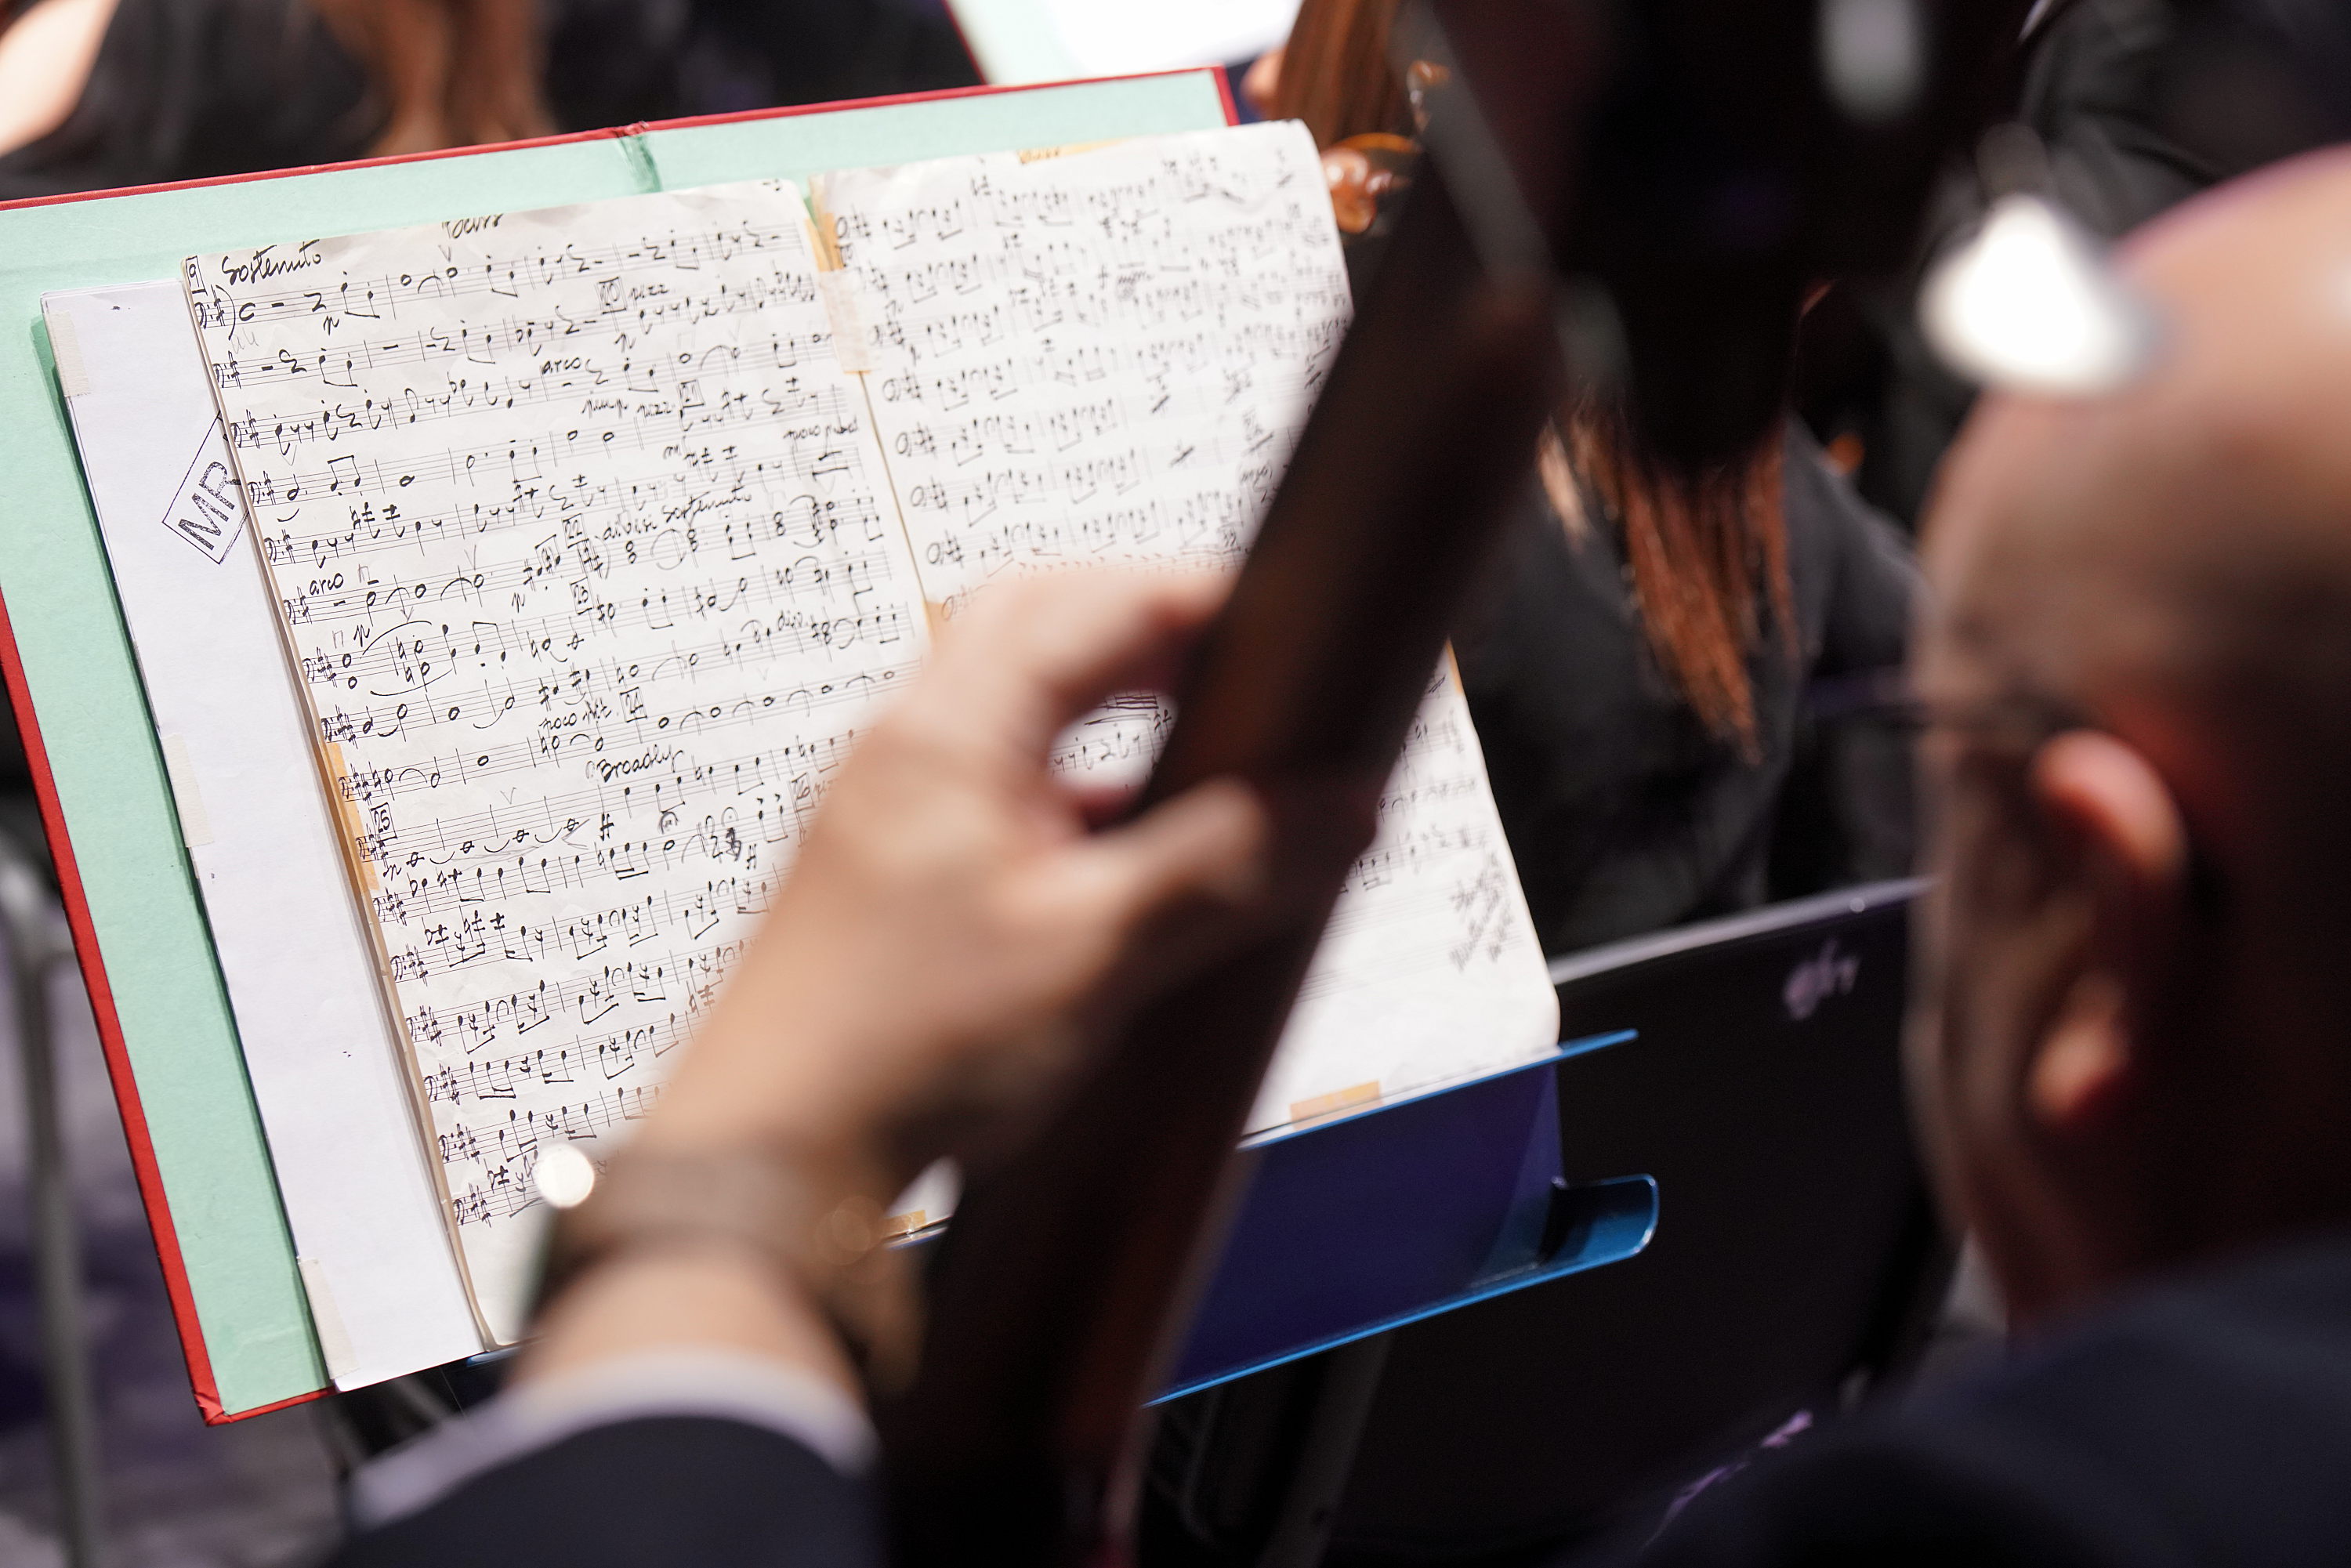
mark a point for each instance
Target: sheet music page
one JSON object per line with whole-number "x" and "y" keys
{"x": 1107, "y": 356}
{"x": 579, "y": 539}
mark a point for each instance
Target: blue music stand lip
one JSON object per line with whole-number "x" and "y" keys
{"x": 1586, "y": 1044}
{"x": 1421, "y": 1206}
{"x": 1485, "y": 1148}
{"x": 1623, "y": 1233}
{"x": 1622, "y": 1217}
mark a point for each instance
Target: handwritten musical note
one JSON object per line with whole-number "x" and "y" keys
{"x": 588, "y": 565}
{"x": 1108, "y": 356}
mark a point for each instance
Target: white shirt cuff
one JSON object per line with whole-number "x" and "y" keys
{"x": 726, "y": 1384}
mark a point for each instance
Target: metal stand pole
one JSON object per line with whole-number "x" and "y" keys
{"x": 1301, "y": 1532}
{"x": 34, "y": 953}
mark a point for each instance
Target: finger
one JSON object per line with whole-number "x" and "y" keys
{"x": 1210, "y": 845}
{"x": 1198, "y": 873}
{"x": 1029, "y": 657}
{"x": 1100, "y": 805}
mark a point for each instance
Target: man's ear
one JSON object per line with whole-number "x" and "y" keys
{"x": 2127, "y": 848}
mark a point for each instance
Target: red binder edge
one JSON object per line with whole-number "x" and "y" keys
{"x": 53, "y": 819}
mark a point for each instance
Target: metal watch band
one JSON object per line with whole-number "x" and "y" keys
{"x": 749, "y": 1198}
{"x": 754, "y": 1200}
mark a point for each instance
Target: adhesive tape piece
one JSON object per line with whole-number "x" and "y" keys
{"x": 65, "y": 347}
{"x": 180, "y": 768}
{"x": 841, "y": 310}
{"x": 1338, "y": 1102}
{"x": 334, "y": 1340}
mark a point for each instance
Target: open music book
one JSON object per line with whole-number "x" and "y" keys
{"x": 533, "y": 571}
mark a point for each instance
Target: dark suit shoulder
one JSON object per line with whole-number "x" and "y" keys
{"x": 1887, "y": 1497}
{"x": 677, "y": 1491}
{"x": 2204, "y": 1421}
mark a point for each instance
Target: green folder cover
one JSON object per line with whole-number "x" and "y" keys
{"x": 138, "y": 925}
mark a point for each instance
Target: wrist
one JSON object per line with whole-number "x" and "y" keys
{"x": 809, "y": 1223}
{"x": 686, "y": 1298}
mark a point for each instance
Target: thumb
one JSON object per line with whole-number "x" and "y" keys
{"x": 1209, "y": 845}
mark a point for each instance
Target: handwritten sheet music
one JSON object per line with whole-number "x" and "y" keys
{"x": 593, "y": 556}
{"x": 1107, "y": 356}
{"x": 589, "y": 573}
{"x": 1102, "y": 356}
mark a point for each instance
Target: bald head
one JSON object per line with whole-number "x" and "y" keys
{"x": 2178, "y": 555}
{"x": 2136, "y": 1047}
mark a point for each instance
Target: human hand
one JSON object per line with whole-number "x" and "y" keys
{"x": 953, "y": 933}
{"x": 951, "y": 939}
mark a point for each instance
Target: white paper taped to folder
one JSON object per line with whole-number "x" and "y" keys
{"x": 325, "y": 1066}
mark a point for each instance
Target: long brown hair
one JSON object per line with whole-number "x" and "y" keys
{"x": 1708, "y": 555}
{"x": 447, "y": 73}
{"x": 1708, "y": 550}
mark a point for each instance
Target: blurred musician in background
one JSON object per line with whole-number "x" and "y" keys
{"x": 1640, "y": 666}
{"x": 101, "y": 93}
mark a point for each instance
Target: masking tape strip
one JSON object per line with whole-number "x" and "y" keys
{"x": 348, "y": 818}
{"x": 180, "y": 768}
{"x": 848, "y": 320}
{"x": 1067, "y": 149}
{"x": 65, "y": 347}
{"x": 640, "y": 155}
{"x": 823, "y": 238}
{"x": 1317, "y": 1107}
{"x": 334, "y": 1340}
